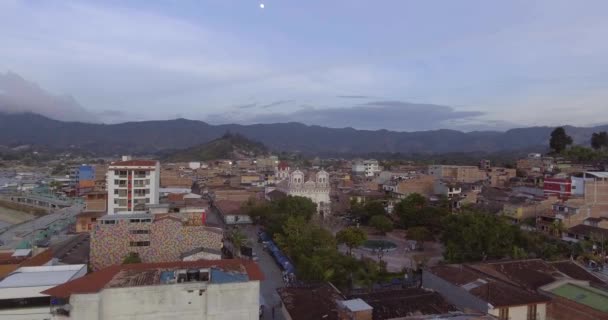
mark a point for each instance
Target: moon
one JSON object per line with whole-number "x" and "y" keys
{"x": 262, "y": 6}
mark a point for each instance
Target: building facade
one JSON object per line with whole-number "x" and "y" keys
{"x": 466, "y": 174}
{"x": 316, "y": 188}
{"x": 155, "y": 238}
{"x": 132, "y": 185}
{"x": 184, "y": 290}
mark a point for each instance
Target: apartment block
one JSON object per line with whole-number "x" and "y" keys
{"x": 132, "y": 185}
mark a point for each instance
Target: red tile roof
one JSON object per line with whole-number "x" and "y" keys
{"x": 135, "y": 163}
{"x": 39, "y": 259}
{"x": 496, "y": 292}
{"x": 228, "y": 207}
{"x": 283, "y": 165}
{"x": 176, "y": 196}
{"x": 96, "y": 281}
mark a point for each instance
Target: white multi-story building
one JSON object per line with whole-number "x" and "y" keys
{"x": 368, "y": 168}
{"x": 132, "y": 185}
{"x": 184, "y": 290}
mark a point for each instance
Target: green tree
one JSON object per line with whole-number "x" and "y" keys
{"x": 599, "y": 140}
{"x": 581, "y": 154}
{"x": 238, "y": 240}
{"x": 419, "y": 234}
{"x": 274, "y": 215}
{"x": 367, "y": 210}
{"x": 559, "y": 140}
{"x": 414, "y": 200}
{"x": 132, "y": 257}
{"x": 352, "y": 237}
{"x": 301, "y": 238}
{"x": 381, "y": 223}
{"x": 473, "y": 236}
{"x": 557, "y": 228}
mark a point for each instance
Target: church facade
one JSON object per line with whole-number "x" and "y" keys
{"x": 314, "y": 186}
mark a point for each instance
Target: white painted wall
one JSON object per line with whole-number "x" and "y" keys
{"x": 38, "y": 313}
{"x": 521, "y": 312}
{"x": 153, "y": 175}
{"x": 173, "y": 301}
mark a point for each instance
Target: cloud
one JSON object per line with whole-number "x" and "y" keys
{"x": 118, "y": 116}
{"x": 274, "y": 104}
{"x": 355, "y": 97}
{"x": 392, "y": 115}
{"x": 20, "y": 95}
{"x": 246, "y": 106}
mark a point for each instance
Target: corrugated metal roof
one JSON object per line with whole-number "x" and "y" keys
{"x": 598, "y": 174}
{"x": 41, "y": 276}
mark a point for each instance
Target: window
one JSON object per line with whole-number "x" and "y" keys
{"x": 139, "y": 243}
{"x": 532, "y": 315}
{"x": 139, "y": 231}
{"x": 147, "y": 200}
{"x": 108, "y": 221}
{"x": 503, "y": 313}
{"x": 140, "y": 220}
{"x": 115, "y": 191}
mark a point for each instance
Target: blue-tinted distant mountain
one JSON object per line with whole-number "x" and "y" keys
{"x": 155, "y": 136}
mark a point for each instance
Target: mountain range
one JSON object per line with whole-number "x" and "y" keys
{"x": 157, "y": 136}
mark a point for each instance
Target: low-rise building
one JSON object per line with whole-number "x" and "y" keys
{"x": 20, "y": 291}
{"x": 154, "y": 238}
{"x": 466, "y": 174}
{"x": 500, "y": 177}
{"x": 469, "y": 289}
{"x": 184, "y": 290}
{"x": 232, "y": 212}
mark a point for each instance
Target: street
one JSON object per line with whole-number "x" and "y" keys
{"x": 273, "y": 277}
{"x": 12, "y": 236}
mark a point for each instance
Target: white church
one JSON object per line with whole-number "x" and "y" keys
{"x": 314, "y": 185}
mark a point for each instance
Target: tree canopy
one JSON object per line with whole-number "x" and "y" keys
{"x": 477, "y": 236}
{"x": 599, "y": 140}
{"x": 413, "y": 211}
{"x": 352, "y": 237}
{"x": 381, "y": 223}
{"x": 559, "y": 140}
{"x": 364, "y": 211}
{"x": 419, "y": 234}
{"x": 274, "y": 214}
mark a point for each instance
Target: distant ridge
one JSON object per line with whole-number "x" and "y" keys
{"x": 155, "y": 136}
{"x": 229, "y": 146}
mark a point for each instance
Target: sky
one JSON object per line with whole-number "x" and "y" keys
{"x": 401, "y": 65}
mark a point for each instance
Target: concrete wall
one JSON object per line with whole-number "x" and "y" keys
{"x": 521, "y": 312}
{"x": 453, "y": 294}
{"x": 37, "y": 313}
{"x": 186, "y": 301}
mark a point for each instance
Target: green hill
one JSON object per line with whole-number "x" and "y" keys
{"x": 229, "y": 146}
